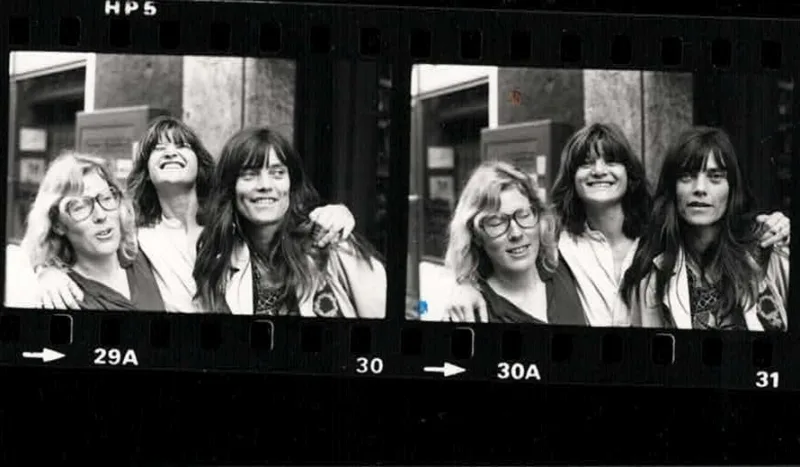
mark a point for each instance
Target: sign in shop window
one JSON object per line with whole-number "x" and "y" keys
{"x": 441, "y": 157}
{"x": 32, "y": 169}
{"x": 32, "y": 140}
{"x": 440, "y": 199}
{"x": 442, "y": 188}
{"x": 117, "y": 145}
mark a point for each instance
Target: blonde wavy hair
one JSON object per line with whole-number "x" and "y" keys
{"x": 465, "y": 256}
{"x": 41, "y": 243}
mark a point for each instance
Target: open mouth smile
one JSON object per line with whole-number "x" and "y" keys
{"x": 104, "y": 234}
{"x": 172, "y": 163}
{"x": 518, "y": 251}
{"x": 600, "y": 183}
{"x": 264, "y": 201}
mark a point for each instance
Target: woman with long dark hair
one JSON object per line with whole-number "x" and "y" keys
{"x": 700, "y": 264}
{"x": 257, "y": 254}
{"x": 171, "y": 179}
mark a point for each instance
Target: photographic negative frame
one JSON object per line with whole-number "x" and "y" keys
{"x": 335, "y": 41}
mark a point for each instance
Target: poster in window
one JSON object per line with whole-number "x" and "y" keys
{"x": 441, "y": 157}
{"x": 32, "y": 140}
{"x": 31, "y": 169}
{"x": 541, "y": 165}
{"x": 443, "y": 189}
{"x": 123, "y": 168}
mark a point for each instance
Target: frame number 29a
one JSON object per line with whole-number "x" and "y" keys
{"x": 115, "y": 357}
{"x": 767, "y": 379}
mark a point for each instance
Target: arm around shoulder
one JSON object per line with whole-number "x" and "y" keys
{"x": 778, "y": 270}
{"x": 367, "y": 281}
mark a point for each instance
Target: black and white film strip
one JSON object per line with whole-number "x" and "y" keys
{"x": 386, "y": 192}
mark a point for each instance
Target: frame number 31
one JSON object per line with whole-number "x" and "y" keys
{"x": 767, "y": 379}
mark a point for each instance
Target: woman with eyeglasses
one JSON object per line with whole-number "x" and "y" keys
{"x": 81, "y": 221}
{"x": 502, "y": 238}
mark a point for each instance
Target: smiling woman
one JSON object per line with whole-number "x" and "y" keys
{"x": 502, "y": 240}
{"x": 257, "y": 254}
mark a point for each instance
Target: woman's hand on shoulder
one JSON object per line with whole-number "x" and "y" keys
{"x": 776, "y": 229}
{"x": 57, "y": 290}
{"x": 465, "y": 304}
{"x": 336, "y": 223}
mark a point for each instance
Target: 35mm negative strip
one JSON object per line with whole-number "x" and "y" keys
{"x": 380, "y": 192}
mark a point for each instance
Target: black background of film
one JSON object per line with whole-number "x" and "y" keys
{"x": 141, "y": 416}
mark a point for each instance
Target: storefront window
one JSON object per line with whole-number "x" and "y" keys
{"x": 384, "y": 152}
{"x": 783, "y": 158}
{"x": 451, "y": 148}
{"x": 43, "y": 122}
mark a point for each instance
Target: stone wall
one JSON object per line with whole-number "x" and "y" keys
{"x": 615, "y": 96}
{"x": 133, "y": 80}
{"x": 668, "y": 99}
{"x": 543, "y": 94}
{"x": 216, "y": 96}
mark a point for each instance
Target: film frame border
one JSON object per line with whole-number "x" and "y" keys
{"x": 347, "y": 28}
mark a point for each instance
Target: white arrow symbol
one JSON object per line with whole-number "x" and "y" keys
{"x": 448, "y": 369}
{"x": 46, "y": 355}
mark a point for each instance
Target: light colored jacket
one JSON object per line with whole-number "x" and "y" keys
{"x": 21, "y": 283}
{"x": 359, "y": 287}
{"x": 772, "y": 302}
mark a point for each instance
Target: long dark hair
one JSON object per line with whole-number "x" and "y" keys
{"x": 293, "y": 245}
{"x": 140, "y": 187}
{"x": 736, "y": 254}
{"x": 605, "y": 141}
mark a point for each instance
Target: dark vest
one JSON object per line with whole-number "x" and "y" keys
{"x": 563, "y": 304}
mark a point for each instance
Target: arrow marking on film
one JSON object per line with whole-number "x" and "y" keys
{"x": 448, "y": 369}
{"x": 46, "y": 355}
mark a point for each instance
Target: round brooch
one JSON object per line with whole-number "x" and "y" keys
{"x": 325, "y": 305}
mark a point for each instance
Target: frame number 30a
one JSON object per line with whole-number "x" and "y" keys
{"x": 767, "y": 379}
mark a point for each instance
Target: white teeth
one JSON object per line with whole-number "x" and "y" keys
{"x": 517, "y": 250}
{"x": 265, "y": 201}
{"x": 104, "y": 234}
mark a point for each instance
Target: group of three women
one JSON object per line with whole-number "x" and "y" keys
{"x": 242, "y": 235}
{"x": 692, "y": 256}
{"x": 245, "y": 235}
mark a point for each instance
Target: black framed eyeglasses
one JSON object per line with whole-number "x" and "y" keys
{"x": 496, "y": 225}
{"x": 80, "y": 209}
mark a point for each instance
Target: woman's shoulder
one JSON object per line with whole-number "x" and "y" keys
{"x": 348, "y": 256}
{"x": 778, "y": 260}
{"x": 349, "y": 250}
{"x": 781, "y": 252}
